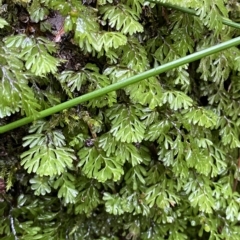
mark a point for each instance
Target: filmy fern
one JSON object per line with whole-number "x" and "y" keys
{"x": 157, "y": 159}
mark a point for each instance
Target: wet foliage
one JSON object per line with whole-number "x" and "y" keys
{"x": 156, "y": 160}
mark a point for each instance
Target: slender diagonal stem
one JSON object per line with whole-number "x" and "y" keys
{"x": 193, "y": 12}
{"x": 124, "y": 83}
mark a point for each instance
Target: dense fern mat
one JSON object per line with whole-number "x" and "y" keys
{"x": 156, "y": 160}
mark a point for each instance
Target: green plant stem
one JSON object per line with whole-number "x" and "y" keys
{"x": 122, "y": 84}
{"x": 193, "y": 12}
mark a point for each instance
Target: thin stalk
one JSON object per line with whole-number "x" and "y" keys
{"x": 225, "y": 21}
{"x": 124, "y": 83}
